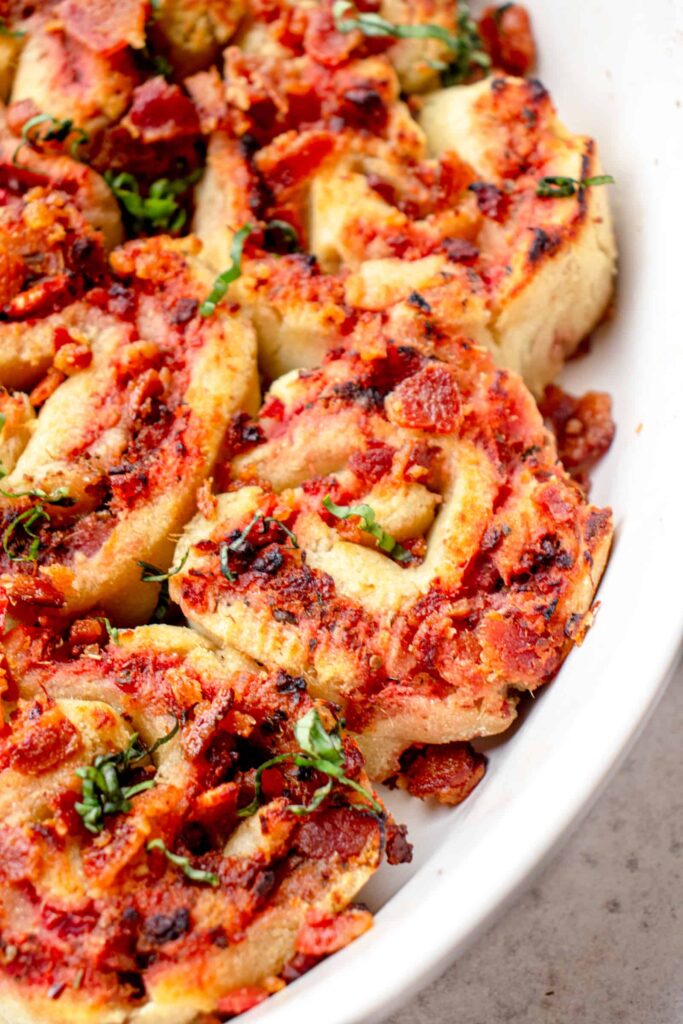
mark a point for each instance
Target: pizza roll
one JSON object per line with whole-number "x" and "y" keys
{"x": 175, "y": 855}
{"x": 552, "y": 259}
{"x": 120, "y": 447}
{"x": 471, "y": 233}
{"x": 399, "y": 531}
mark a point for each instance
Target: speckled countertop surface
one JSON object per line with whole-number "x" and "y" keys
{"x": 599, "y": 937}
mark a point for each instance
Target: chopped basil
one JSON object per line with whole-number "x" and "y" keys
{"x": 3, "y": 421}
{"x": 150, "y": 574}
{"x": 369, "y": 524}
{"x": 61, "y": 129}
{"x": 466, "y": 45}
{"x": 238, "y": 543}
{"x": 159, "y": 209}
{"x": 194, "y": 874}
{"x": 276, "y": 230}
{"x": 29, "y": 520}
{"x": 556, "y": 186}
{"x": 102, "y": 792}
{"x": 222, "y": 282}
{"x": 323, "y": 752}
{"x": 112, "y": 632}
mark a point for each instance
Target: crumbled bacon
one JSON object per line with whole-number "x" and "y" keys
{"x": 324, "y": 933}
{"x": 583, "y": 427}
{"x": 103, "y": 26}
{"x": 506, "y": 32}
{"x": 161, "y": 112}
{"x": 446, "y": 773}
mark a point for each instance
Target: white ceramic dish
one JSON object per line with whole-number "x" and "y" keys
{"x": 615, "y": 71}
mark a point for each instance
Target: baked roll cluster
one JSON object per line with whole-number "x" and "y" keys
{"x": 287, "y": 507}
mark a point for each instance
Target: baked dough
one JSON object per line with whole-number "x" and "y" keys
{"x": 128, "y": 436}
{"x": 451, "y": 219}
{"x": 99, "y": 929}
{"x": 501, "y": 553}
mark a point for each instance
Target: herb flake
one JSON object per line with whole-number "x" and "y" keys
{"x": 59, "y": 131}
{"x": 321, "y": 751}
{"x": 194, "y": 874}
{"x": 102, "y": 792}
{"x": 368, "y": 524}
{"x": 557, "y": 186}
{"x": 466, "y": 44}
{"x": 160, "y": 208}
{"x": 224, "y": 280}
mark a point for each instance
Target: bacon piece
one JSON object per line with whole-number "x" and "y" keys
{"x": 506, "y": 32}
{"x": 161, "y": 112}
{"x": 323, "y": 933}
{"x": 426, "y": 401}
{"x": 241, "y": 1000}
{"x": 105, "y": 26}
{"x": 447, "y": 773}
{"x": 294, "y": 156}
{"x": 208, "y": 95}
{"x": 583, "y": 427}
{"x": 41, "y": 739}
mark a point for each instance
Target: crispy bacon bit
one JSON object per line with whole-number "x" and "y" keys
{"x": 293, "y": 157}
{"x": 208, "y": 95}
{"x": 24, "y": 589}
{"x": 71, "y": 358}
{"x": 337, "y": 829}
{"x": 87, "y": 631}
{"x": 398, "y": 849}
{"x": 161, "y": 112}
{"x": 447, "y": 773}
{"x": 373, "y": 463}
{"x": 47, "y": 386}
{"x": 41, "y": 739}
{"x": 103, "y": 26}
{"x": 241, "y": 1000}
{"x": 323, "y": 933}
{"x": 583, "y": 427}
{"x": 428, "y": 400}
{"x": 506, "y": 32}
{"x": 491, "y": 201}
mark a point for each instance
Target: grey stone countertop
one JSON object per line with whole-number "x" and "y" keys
{"x": 598, "y": 939}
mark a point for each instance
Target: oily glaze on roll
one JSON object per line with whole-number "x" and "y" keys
{"x": 151, "y": 872}
{"x": 466, "y": 572}
{"x": 143, "y": 388}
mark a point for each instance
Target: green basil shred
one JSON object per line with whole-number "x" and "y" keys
{"x": 60, "y": 130}
{"x": 160, "y": 208}
{"x": 466, "y": 44}
{"x": 30, "y": 520}
{"x": 224, "y": 280}
{"x": 321, "y": 751}
{"x": 194, "y": 874}
{"x": 102, "y": 790}
{"x": 368, "y": 523}
{"x": 556, "y": 186}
